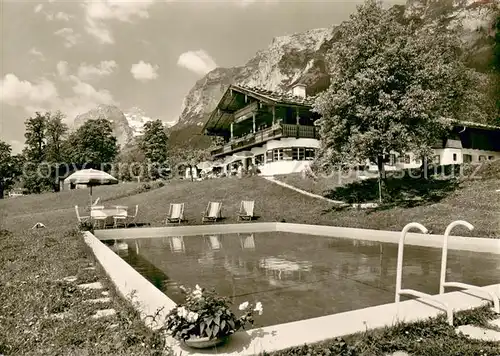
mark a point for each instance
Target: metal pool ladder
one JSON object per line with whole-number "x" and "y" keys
{"x": 444, "y": 258}
{"x": 399, "y": 273}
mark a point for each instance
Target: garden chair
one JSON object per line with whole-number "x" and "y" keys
{"x": 98, "y": 216}
{"x": 213, "y": 212}
{"x": 81, "y": 219}
{"x": 246, "y": 210}
{"x": 120, "y": 216}
{"x": 133, "y": 217}
{"x": 175, "y": 213}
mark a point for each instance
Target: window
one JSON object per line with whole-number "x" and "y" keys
{"x": 407, "y": 159}
{"x": 287, "y": 154}
{"x": 467, "y": 158}
{"x": 259, "y": 160}
{"x": 437, "y": 159}
{"x": 298, "y": 153}
{"x": 310, "y": 152}
{"x": 482, "y": 158}
{"x": 277, "y": 154}
{"x": 454, "y": 157}
{"x": 491, "y": 158}
{"x": 269, "y": 155}
{"x": 392, "y": 159}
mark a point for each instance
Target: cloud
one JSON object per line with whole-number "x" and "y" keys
{"x": 43, "y": 95}
{"x": 97, "y": 12}
{"x": 38, "y": 8}
{"x": 70, "y": 37}
{"x": 104, "y": 68}
{"x": 144, "y": 71}
{"x": 199, "y": 62}
{"x": 62, "y": 16}
{"x": 36, "y": 53}
{"x": 62, "y": 69}
{"x": 16, "y": 92}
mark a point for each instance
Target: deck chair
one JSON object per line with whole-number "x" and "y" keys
{"x": 96, "y": 201}
{"x": 247, "y": 242}
{"x": 246, "y": 210}
{"x": 81, "y": 219}
{"x": 212, "y": 212}
{"x": 175, "y": 213}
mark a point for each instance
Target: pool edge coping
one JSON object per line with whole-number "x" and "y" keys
{"x": 148, "y": 299}
{"x": 462, "y": 243}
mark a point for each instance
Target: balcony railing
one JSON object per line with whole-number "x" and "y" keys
{"x": 276, "y": 131}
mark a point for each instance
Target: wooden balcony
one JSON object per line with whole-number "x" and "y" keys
{"x": 274, "y": 132}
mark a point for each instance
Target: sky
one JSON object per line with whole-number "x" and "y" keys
{"x": 71, "y": 55}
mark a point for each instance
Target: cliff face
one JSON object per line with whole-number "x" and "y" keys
{"x": 127, "y": 126}
{"x": 121, "y": 129}
{"x": 288, "y": 59}
{"x": 301, "y": 56}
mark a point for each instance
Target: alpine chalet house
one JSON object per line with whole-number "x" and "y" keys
{"x": 272, "y": 130}
{"x": 275, "y": 131}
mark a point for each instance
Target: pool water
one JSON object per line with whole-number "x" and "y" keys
{"x": 297, "y": 276}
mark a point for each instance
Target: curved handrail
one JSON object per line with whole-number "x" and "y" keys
{"x": 444, "y": 260}
{"x": 444, "y": 255}
{"x": 399, "y": 268}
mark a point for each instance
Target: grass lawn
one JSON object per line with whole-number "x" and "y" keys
{"x": 433, "y": 337}
{"x": 32, "y": 260}
{"x": 31, "y": 265}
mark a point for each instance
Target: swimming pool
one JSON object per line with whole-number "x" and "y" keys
{"x": 297, "y": 276}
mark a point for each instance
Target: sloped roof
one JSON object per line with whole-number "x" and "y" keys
{"x": 278, "y": 97}
{"x": 223, "y": 118}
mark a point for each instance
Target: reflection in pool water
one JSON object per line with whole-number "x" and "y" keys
{"x": 297, "y": 276}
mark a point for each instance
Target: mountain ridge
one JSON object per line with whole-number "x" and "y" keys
{"x": 302, "y": 57}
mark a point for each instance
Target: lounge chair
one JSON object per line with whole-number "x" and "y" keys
{"x": 212, "y": 212}
{"x": 81, "y": 219}
{"x": 96, "y": 201}
{"x": 246, "y": 210}
{"x": 175, "y": 213}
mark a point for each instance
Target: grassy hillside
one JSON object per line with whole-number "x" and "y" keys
{"x": 474, "y": 201}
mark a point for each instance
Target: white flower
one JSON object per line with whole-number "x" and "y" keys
{"x": 197, "y": 293}
{"x": 258, "y": 308}
{"x": 182, "y": 312}
{"x": 243, "y": 306}
{"x": 192, "y": 317}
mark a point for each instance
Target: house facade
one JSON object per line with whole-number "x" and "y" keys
{"x": 275, "y": 132}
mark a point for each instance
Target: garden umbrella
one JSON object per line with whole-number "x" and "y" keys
{"x": 91, "y": 178}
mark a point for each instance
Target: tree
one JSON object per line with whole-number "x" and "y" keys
{"x": 56, "y": 131}
{"x": 131, "y": 164}
{"x": 35, "y": 137}
{"x": 394, "y": 87}
{"x": 36, "y": 174}
{"x": 92, "y": 145}
{"x": 154, "y": 145}
{"x": 10, "y": 168}
{"x": 189, "y": 157}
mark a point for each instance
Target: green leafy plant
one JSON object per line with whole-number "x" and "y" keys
{"x": 205, "y": 314}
